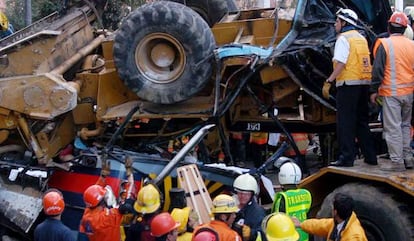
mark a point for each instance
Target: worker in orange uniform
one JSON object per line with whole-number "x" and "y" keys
{"x": 164, "y": 227}
{"x": 102, "y": 217}
{"x": 52, "y": 229}
{"x": 393, "y": 82}
{"x": 224, "y": 210}
{"x": 146, "y": 206}
{"x": 258, "y": 144}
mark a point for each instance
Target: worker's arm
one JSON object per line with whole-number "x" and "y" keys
{"x": 378, "y": 69}
{"x": 337, "y": 70}
{"x": 320, "y": 227}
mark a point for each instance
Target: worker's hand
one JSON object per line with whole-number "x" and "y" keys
{"x": 128, "y": 165}
{"x": 296, "y": 222}
{"x": 106, "y": 169}
{"x": 325, "y": 89}
{"x": 374, "y": 99}
{"x": 246, "y": 232}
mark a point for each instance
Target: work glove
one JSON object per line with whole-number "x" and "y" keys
{"x": 106, "y": 169}
{"x": 325, "y": 90}
{"x": 246, "y": 232}
{"x": 128, "y": 165}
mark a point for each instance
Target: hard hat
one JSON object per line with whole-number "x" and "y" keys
{"x": 399, "y": 18}
{"x": 93, "y": 195}
{"x": 246, "y": 182}
{"x": 4, "y": 22}
{"x": 348, "y": 16}
{"x": 148, "y": 200}
{"x": 224, "y": 203}
{"x": 181, "y": 216}
{"x": 162, "y": 224}
{"x": 290, "y": 173}
{"x": 53, "y": 203}
{"x": 205, "y": 235}
{"x": 279, "y": 227}
{"x": 409, "y": 32}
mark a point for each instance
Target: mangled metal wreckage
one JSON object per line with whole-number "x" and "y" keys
{"x": 68, "y": 89}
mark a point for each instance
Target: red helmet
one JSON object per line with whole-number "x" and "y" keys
{"x": 205, "y": 235}
{"x": 399, "y": 18}
{"x": 53, "y": 203}
{"x": 162, "y": 224}
{"x": 93, "y": 195}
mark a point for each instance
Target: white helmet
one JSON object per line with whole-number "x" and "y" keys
{"x": 246, "y": 182}
{"x": 409, "y": 32}
{"x": 290, "y": 173}
{"x": 348, "y": 16}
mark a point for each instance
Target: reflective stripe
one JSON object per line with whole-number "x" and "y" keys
{"x": 393, "y": 73}
{"x": 353, "y": 82}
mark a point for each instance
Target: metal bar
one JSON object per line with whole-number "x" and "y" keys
{"x": 181, "y": 154}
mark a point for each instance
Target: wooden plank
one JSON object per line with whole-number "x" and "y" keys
{"x": 196, "y": 193}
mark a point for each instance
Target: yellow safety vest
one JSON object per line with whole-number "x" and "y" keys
{"x": 358, "y": 67}
{"x": 297, "y": 204}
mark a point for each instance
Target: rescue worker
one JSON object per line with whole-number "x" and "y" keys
{"x": 99, "y": 222}
{"x": 52, "y": 228}
{"x": 164, "y": 227}
{"x": 206, "y": 235}
{"x": 182, "y": 216}
{"x": 393, "y": 82}
{"x": 258, "y": 144}
{"x": 102, "y": 217}
{"x": 352, "y": 72}
{"x": 293, "y": 201}
{"x": 343, "y": 226}
{"x": 279, "y": 226}
{"x": 250, "y": 216}
{"x": 147, "y": 205}
{"x": 224, "y": 210}
{"x": 6, "y": 27}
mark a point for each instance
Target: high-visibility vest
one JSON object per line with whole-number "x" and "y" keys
{"x": 259, "y": 138}
{"x": 302, "y": 142}
{"x": 398, "y": 73}
{"x": 297, "y": 204}
{"x": 358, "y": 67}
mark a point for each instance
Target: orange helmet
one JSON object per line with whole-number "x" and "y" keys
{"x": 205, "y": 234}
{"x": 162, "y": 224}
{"x": 399, "y": 18}
{"x": 93, "y": 195}
{"x": 53, "y": 203}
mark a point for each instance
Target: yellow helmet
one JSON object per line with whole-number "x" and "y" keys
{"x": 279, "y": 227}
{"x": 181, "y": 216}
{"x": 4, "y": 22}
{"x": 224, "y": 203}
{"x": 148, "y": 200}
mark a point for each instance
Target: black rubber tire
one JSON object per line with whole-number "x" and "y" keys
{"x": 383, "y": 217}
{"x": 184, "y": 32}
{"x": 210, "y": 10}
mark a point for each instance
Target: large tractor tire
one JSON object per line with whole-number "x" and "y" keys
{"x": 210, "y": 10}
{"x": 163, "y": 52}
{"x": 382, "y": 216}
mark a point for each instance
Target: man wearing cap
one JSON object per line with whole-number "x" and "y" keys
{"x": 393, "y": 82}
{"x": 52, "y": 229}
{"x": 352, "y": 72}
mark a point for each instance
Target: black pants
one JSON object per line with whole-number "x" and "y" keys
{"x": 352, "y": 123}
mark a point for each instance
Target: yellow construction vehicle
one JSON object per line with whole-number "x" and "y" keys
{"x": 69, "y": 90}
